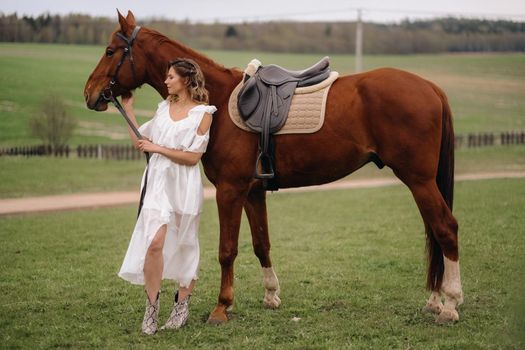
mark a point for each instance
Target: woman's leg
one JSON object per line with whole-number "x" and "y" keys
{"x": 184, "y": 291}
{"x": 154, "y": 264}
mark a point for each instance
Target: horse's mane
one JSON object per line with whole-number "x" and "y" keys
{"x": 160, "y": 39}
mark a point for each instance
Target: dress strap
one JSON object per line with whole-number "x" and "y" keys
{"x": 200, "y": 113}
{"x": 192, "y": 140}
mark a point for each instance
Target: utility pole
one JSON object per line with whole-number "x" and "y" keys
{"x": 359, "y": 43}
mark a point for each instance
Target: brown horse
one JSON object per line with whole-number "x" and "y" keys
{"x": 387, "y": 116}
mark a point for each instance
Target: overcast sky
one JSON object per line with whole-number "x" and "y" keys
{"x": 239, "y": 10}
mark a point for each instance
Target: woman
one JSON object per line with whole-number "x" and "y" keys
{"x": 164, "y": 243}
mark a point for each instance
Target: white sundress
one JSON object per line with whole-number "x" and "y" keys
{"x": 174, "y": 196}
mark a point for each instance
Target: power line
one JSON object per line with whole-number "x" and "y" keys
{"x": 275, "y": 16}
{"x": 445, "y": 13}
{"x": 355, "y": 10}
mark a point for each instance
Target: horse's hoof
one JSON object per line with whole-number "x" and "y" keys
{"x": 435, "y": 308}
{"x": 447, "y": 316}
{"x": 272, "y": 302}
{"x": 218, "y": 316}
{"x": 217, "y": 320}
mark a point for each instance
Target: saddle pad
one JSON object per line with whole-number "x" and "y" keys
{"x": 307, "y": 109}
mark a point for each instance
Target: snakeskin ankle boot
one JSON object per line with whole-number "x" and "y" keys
{"x": 151, "y": 315}
{"x": 179, "y": 315}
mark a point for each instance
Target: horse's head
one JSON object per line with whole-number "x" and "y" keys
{"x": 122, "y": 67}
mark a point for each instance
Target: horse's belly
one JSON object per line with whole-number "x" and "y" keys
{"x": 306, "y": 162}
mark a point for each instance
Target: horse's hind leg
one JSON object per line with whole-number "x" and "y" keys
{"x": 434, "y": 303}
{"x": 255, "y": 207}
{"x": 438, "y": 217}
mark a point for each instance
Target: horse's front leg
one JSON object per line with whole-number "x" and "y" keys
{"x": 255, "y": 208}
{"x": 230, "y": 200}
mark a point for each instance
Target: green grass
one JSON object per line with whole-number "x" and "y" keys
{"x": 486, "y": 90}
{"x": 27, "y": 177}
{"x": 350, "y": 264}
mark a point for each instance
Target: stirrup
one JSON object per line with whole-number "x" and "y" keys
{"x": 264, "y": 175}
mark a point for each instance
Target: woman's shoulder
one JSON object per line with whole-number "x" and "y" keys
{"x": 204, "y": 107}
{"x": 163, "y": 103}
{"x": 162, "y": 106}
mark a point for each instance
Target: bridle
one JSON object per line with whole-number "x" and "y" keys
{"x": 107, "y": 94}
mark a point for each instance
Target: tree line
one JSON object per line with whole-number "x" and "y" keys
{"x": 448, "y": 34}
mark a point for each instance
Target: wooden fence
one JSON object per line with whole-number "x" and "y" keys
{"x": 128, "y": 152}
{"x": 490, "y": 139}
{"x": 114, "y": 152}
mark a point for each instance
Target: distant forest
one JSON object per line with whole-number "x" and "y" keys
{"x": 448, "y": 34}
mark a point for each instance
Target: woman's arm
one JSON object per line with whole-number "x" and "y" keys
{"x": 181, "y": 157}
{"x": 175, "y": 155}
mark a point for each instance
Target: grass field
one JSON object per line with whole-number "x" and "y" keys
{"x": 485, "y": 90}
{"x": 350, "y": 265}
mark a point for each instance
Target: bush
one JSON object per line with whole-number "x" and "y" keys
{"x": 53, "y": 124}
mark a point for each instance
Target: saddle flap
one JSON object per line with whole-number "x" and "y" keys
{"x": 269, "y": 105}
{"x": 274, "y": 75}
{"x": 248, "y": 98}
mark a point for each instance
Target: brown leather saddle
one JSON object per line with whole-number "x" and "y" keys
{"x": 264, "y": 102}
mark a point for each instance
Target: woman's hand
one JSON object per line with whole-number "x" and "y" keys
{"x": 145, "y": 145}
{"x": 127, "y": 101}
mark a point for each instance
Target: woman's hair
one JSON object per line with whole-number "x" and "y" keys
{"x": 186, "y": 67}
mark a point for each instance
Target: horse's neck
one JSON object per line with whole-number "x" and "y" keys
{"x": 216, "y": 76}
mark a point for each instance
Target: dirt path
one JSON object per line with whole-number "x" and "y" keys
{"x": 108, "y": 199}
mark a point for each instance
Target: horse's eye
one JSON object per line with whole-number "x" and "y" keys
{"x": 109, "y": 53}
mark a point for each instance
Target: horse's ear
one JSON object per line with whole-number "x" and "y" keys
{"x": 124, "y": 26}
{"x": 130, "y": 18}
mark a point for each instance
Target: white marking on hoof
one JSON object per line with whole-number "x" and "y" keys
{"x": 434, "y": 303}
{"x": 272, "y": 289}
{"x": 451, "y": 290}
{"x": 451, "y": 286}
{"x": 271, "y": 301}
{"x": 447, "y": 315}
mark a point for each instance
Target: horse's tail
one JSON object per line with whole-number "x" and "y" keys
{"x": 445, "y": 183}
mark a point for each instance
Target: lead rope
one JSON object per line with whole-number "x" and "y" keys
{"x": 139, "y": 136}
{"x": 107, "y": 94}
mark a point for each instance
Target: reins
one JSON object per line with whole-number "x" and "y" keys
{"x": 107, "y": 94}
